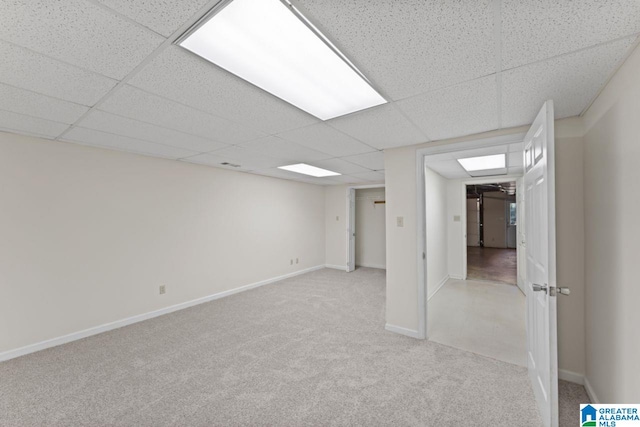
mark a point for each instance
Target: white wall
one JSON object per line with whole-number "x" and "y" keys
{"x": 336, "y": 225}
{"x": 88, "y": 235}
{"x": 611, "y": 205}
{"x": 402, "y": 243}
{"x": 436, "y": 229}
{"x": 370, "y": 228}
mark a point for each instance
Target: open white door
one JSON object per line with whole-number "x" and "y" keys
{"x": 540, "y": 274}
{"x": 351, "y": 231}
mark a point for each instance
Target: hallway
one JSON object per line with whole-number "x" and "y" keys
{"x": 494, "y": 264}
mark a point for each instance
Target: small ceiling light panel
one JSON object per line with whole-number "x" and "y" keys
{"x": 306, "y": 169}
{"x": 472, "y": 164}
{"x": 270, "y": 44}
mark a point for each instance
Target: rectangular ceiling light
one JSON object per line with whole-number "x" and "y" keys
{"x": 471, "y": 164}
{"x": 271, "y": 45}
{"x": 306, "y": 169}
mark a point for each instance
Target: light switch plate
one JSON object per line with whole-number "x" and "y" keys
{"x": 400, "y": 221}
{"x": 456, "y": 218}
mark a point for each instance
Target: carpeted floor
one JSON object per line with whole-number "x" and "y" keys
{"x": 310, "y": 350}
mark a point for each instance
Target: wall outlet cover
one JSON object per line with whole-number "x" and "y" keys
{"x": 400, "y": 221}
{"x": 163, "y": 289}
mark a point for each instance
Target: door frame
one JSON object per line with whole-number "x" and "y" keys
{"x": 421, "y": 218}
{"x": 496, "y": 179}
{"x": 348, "y": 221}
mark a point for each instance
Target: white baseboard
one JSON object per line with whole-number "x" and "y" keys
{"x": 53, "y": 342}
{"x": 381, "y": 267}
{"x": 590, "y": 392}
{"x": 402, "y": 331}
{"x": 336, "y": 267}
{"x": 455, "y": 276}
{"x": 572, "y": 377}
{"x": 439, "y": 286}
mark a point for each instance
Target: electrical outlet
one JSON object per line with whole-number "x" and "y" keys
{"x": 291, "y": 262}
{"x": 337, "y": 218}
{"x": 400, "y": 221}
{"x": 163, "y": 289}
{"x": 296, "y": 260}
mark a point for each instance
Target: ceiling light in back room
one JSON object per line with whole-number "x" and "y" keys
{"x": 270, "y": 44}
{"x": 472, "y": 164}
{"x": 306, "y": 169}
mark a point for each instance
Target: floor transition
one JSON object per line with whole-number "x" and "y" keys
{"x": 309, "y": 350}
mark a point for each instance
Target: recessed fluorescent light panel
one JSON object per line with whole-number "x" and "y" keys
{"x": 472, "y": 164}
{"x": 271, "y": 44}
{"x": 306, "y": 169}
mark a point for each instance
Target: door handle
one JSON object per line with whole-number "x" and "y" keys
{"x": 553, "y": 291}
{"x": 539, "y": 288}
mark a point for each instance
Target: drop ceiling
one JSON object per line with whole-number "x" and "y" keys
{"x": 106, "y": 73}
{"x": 447, "y": 165}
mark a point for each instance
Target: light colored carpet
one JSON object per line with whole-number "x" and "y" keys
{"x": 309, "y": 350}
{"x": 482, "y": 317}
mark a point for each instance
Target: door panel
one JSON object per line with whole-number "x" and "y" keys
{"x": 539, "y": 201}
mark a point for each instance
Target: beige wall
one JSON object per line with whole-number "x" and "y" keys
{"x": 88, "y": 235}
{"x": 336, "y": 226}
{"x": 402, "y": 243}
{"x": 370, "y": 224}
{"x": 436, "y": 229}
{"x": 611, "y": 205}
{"x": 495, "y": 220}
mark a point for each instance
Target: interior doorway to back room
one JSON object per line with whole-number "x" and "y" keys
{"x": 492, "y": 232}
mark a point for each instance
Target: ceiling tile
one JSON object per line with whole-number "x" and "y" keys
{"x": 106, "y": 122}
{"x": 29, "y": 70}
{"x": 571, "y": 81}
{"x": 340, "y": 166}
{"x": 247, "y": 159}
{"x": 326, "y": 139}
{"x": 516, "y": 170}
{"x": 78, "y": 32}
{"x": 369, "y": 176}
{"x": 279, "y": 148}
{"x": 517, "y": 147}
{"x": 373, "y": 161}
{"x": 464, "y": 109}
{"x": 449, "y": 169}
{"x": 162, "y": 16}
{"x": 20, "y": 123}
{"x": 348, "y": 179}
{"x": 140, "y": 105}
{"x": 189, "y": 79}
{"x": 411, "y": 46}
{"x": 122, "y": 143}
{"x": 33, "y": 104}
{"x": 381, "y": 127}
{"x": 292, "y": 176}
{"x": 536, "y": 30}
{"x": 515, "y": 159}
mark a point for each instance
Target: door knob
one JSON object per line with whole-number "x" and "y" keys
{"x": 563, "y": 291}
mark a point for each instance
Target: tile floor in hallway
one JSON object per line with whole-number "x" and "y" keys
{"x": 481, "y": 317}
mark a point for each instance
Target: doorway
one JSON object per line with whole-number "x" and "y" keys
{"x": 491, "y": 210}
{"x": 366, "y": 227}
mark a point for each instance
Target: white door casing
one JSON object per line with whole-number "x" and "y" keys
{"x": 521, "y": 245}
{"x": 351, "y": 231}
{"x": 539, "y": 192}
